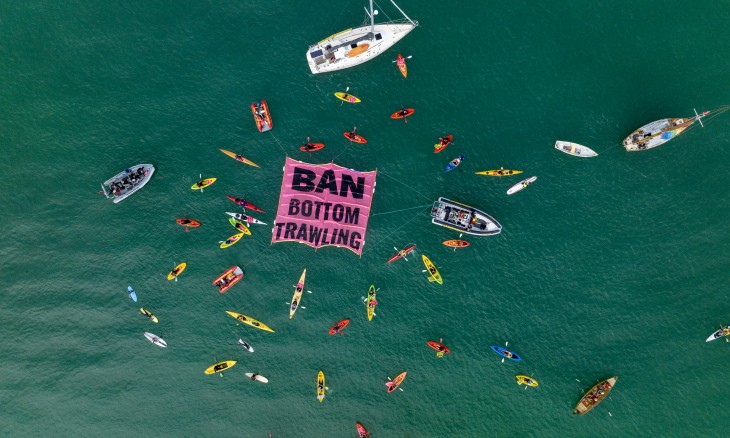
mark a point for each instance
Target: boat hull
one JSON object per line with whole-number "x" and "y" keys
{"x": 463, "y": 218}
{"x": 575, "y": 149}
{"x": 657, "y": 133}
{"x": 120, "y": 194}
{"x": 595, "y": 396}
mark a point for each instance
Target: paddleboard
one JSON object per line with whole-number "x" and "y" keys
{"x": 433, "y": 273}
{"x": 405, "y": 112}
{"x": 355, "y": 137}
{"x": 155, "y": 339}
{"x": 132, "y": 293}
{"x": 441, "y": 348}
{"x": 402, "y": 253}
{"x": 499, "y": 172}
{"x": 526, "y": 380}
{"x": 362, "y": 431}
{"x": 392, "y": 386}
{"x": 297, "y": 298}
{"x": 453, "y": 164}
{"x": 245, "y": 218}
{"x": 257, "y": 377}
{"x": 185, "y": 222}
{"x": 311, "y": 147}
{"x": 250, "y": 321}
{"x": 321, "y": 388}
{"x": 177, "y": 271}
{"x": 240, "y": 158}
{"x": 337, "y": 328}
{"x": 506, "y": 353}
{"x": 220, "y": 366}
{"x": 148, "y": 314}
{"x": 203, "y": 183}
{"x": 443, "y": 142}
{"x": 521, "y": 185}
{"x": 239, "y": 225}
{"x": 245, "y": 345}
{"x": 232, "y": 240}
{"x": 724, "y": 331}
{"x": 401, "y": 63}
{"x": 456, "y": 243}
{"x": 244, "y": 203}
{"x": 349, "y": 98}
{"x": 371, "y": 302}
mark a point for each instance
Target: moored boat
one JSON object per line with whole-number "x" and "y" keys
{"x": 125, "y": 183}
{"x": 659, "y": 132}
{"x": 595, "y": 395}
{"x": 463, "y": 218}
{"x": 575, "y": 149}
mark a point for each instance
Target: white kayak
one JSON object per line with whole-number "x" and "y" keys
{"x": 245, "y": 345}
{"x": 155, "y": 339}
{"x": 258, "y": 377}
{"x": 245, "y": 218}
{"x": 521, "y": 185}
{"x": 724, "y": 331}
{"x": 575, "y": 149}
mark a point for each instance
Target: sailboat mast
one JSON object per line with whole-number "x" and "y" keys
{"x": 372, "y": 19}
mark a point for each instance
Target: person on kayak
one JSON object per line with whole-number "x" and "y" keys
{"x": 432, "y": 270}
{"x": 403, "y": 112}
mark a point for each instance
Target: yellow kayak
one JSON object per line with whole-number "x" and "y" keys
{"x": 349, "y": 98}
{"x": 240, "y": 158}
{"x": 232, "y": 240}
{"x": 297, "y": 298}
{"x": 148, "y": 314}
{"x": 433, "y": 273}
{"x": 240, "y": 226}
{"x": 526, "y": 380}
{"x": 500, "y": 172}
{"x": 250, "y": 321}
{"x": 371, "y": 302}
{"x": 177, "y": 271}
{"x": 220, "y": 366}
{"x": 320, "y": 387}
{"x": 203, "y": 183}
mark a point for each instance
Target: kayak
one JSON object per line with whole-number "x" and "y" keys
{"x": 148, "y": 314}
{"x": 244, "y": 203}
{"x": 155, "y": 339}
{"x": 401, "y": 253}
{"x": 371, "y": 302}
{"x": 262, "y": 116}
{"x": 405, "y": 112}
{"x": 500, "y": 172}
{"x": 226, "y": 280}
{"x": 203, "y": 183}
{"x": 245, "y": 218}
{"x": 362, "y": 431}
{"x": 232, "y": 240}
{"x": 245, "y": 345}
{"x": 250, "y": 321}
{"x": 257, "y": 377}
{"x": 240, "y": 158}
{"x": 724, "y": 331}
{"x": 240, "y": 226}
{"x": 320, "y": 387}
{"x": 297, "y": 298}
{"x": 349, "y": 98}
{"x": 220, "y": 366}
{"x": 132, "y": 293}
{"x": 438, "y": 346}
{"x": 401, "y": 63}
{"x": 521, "y": 185}
{"x": 434, "y": 274}
{"x": 355, "y": 137}
{"x": 575, "y": 149}
{"x": 185, "y": 222}
{"x": 339, "y": 326}
{"x": 443, "y": 142}
{"x": 311, "y": 147}
{"x": 453, "y": 164}
{"x": 177, "y": 271}
{"x": 392, "y": 386}
{"x": 506, "y": 353}
{"x": 595, "y": 395}
{"x": 456, "y": 243}
{"x": 526, "y": 380}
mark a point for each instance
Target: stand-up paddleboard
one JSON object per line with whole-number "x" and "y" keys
{"x": 250, "y": 321}
{"x": 177, "y": 271}
{"x": 132, "y": 293}
{"x": 443, "y": 142}
{"x": 239, "y": 158}
{"x": 456, "y": 243}
{"x": 439, "y": 347}
{"x": 401, "y": 63}
{"x": 526, "y": 380}
{"x": 242, "y": 202}
{"x": 245, "y": 218}
{"x": 148, "y": 314}
{"x": 355, "y": 137}
{"x": 371, "y": 302}
{"x": 186, "y": 222}
{"x": 349, "y": 98}
{"x": 203, "y": 183}
{"x": 361, "y": 431}
{"x": 499, "y": 172}
{"x": 321, "y": 388}
{"x": 155, "y": 339}
{"x": 245, "y": 345}
{"x": 240, "y": 226}
{"x": 220, "y": 366}
{"x": 521, "y": 185}
{"x": 297, "y": 298}
{"x": 392, "y": 386}
{"x": 337, "y": 328}
{"x": 724, "y": 331}
{"x": 401, "y": 114}
{"x": 507, "y": 354}
{"x": 433, "y": 273}
{"x": 453, "y": 164}
{"x": 232, "y": 240}
{"x": 257, "y": 377}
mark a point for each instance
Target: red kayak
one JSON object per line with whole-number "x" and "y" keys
{"x": 443, "y": 142}
{"x": 362, "y": 431}
{"x": 226, "y": 280}
{"x": 455, "y": 243}
{"x": 405, "y": 112}
{"x": 185, "y": 222}
{"x": 355, "y": 137}
{"x": 438, "y": 346}
{"x": 311, "y": 147}
{"x": 337, "y": 328}
{"x": 402, "y": 253}
{"x": 244, "y": 203}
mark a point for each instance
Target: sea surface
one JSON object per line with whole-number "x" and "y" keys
{"x": 615, "y": 265}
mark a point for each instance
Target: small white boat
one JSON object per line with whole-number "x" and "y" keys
{"x": 522, "y": 185}
{"x": 245, "y": 345}
{"x": 155, "y": 339}
{"x": 574, "y": 149}
{"x": 724, "y": 331}
{"x": 127, "y": 182}
{"x": 257, "y": 377}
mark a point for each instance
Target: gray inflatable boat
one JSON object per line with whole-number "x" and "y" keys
{"x": 128, "y": 181}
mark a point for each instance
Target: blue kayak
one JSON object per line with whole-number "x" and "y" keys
{"x": 453, "y": 163}
{"x": 132, "y": 293}
{"x": 506, "y": 353}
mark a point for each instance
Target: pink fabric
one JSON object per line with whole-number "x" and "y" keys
{"x": 323, "y": 205}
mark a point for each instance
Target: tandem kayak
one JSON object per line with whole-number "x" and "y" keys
{"x": 443, "y": 142}
{"x": 297, "y": 298}
{"x": 239, "y": 158}
{"x": 242, "y": 202}
{"x": 226, "y": 280}
{"x": 250, "y": 321}
{"x": 392, "y": 386}
{"x": 401, "y": 114}
{"x": 240, "y": 226}
{"x": 148, "y": 314}
{"x": 349, "y": 98}
{"x": 155, "y": 339}
{"x": 220, "y": 366}
{"x": 337, "y": 328}
{"x": 355, "y": 137}
{"x": 499, "y": 172}
{"x": 401, "y": 253}
{"x": 321, "y": 388}
{"x": 506, "y": 353}
{"x": 456, "y": 243}
{"x": 203, "y": 183}
{"x": 433, "y": 273}
{"x": 371, "y": 302}
{"x": 177, "y": 271}
{"x": 245, "y": 218}
{"x": 522, "y": 185}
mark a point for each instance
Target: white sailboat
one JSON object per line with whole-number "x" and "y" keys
{"x": 352, "y": 47}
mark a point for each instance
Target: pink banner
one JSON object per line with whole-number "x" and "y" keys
{"x": 323, "y": 205}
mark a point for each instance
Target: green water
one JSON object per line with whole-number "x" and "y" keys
{"x": 609, "y": 266}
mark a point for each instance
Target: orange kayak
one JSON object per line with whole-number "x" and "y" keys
{"x": 402, "y": 113}
{"x": 355, "y": 137}
{"x": 455, "y": 243}
{"x": 185, "y": 222}
{"x": 392, "y": 386}
{"x": 339, "y": 326}
{"x": 401, "y": 63}
{"x": 443, "y": 142}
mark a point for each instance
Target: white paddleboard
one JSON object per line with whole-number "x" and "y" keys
{"x": 155, "y": 339}
{"x": 521, "y": 185}
{"x": 259, "y": 377}
{"x": 245, "y": 345}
